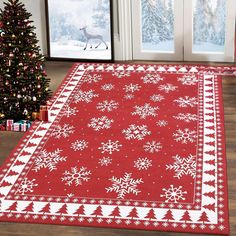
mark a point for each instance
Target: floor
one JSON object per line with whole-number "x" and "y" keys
{"x": 57, "y": 71}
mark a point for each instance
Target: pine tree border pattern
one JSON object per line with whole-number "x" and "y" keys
{"x": 161, "y": 217}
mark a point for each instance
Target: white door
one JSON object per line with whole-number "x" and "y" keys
{"x": 157, "y": 29}
{"x": 177, "y": 30}
{"x": 209, "y": 30}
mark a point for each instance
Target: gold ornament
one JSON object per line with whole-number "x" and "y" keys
{"x": 35, "y": 115}
{"x": 2, "y": 116}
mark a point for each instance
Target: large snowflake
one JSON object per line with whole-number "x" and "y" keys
{"x": 157, "y": 97}
{"x": 173, "y": 194}
{"x": 26, "y": 186}
{"x": 100, "y": 123}
{"x": 110, "y": 146}
{"x": 69, "y": 111}
{"x": 79, "y": 145}
{"x": 48, "y": 160}
{"x": 167, "y": 88}
{"x": 62, "y": 131}
{"x": 152, "y": 147}
{"x": 186, "y": 101}
{"x": 142, "y": 163}
{"x": 89, "y": 78}
{"x": 183, "y": 166}
{"x": 185, "y": 136}
{"x": 132, "y": 88}
{"x": 124, "y": 185}
{"x": 136, "y": 132}
{"x": 151, "y": 78}
{"x": 85, "y": 96}
{"x": 107, "y": 87}
{"x": 186, "y": 117}
{"x": 105, "y": 161}
{"x": 107, "y": 105}
{"x": 76, "y": 176}
{"x": 144, "y": 111}
{"x": 188, "y": 80}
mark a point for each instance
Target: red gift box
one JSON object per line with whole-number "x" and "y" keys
{"x": 43, "y": 113}
{"x": 2, "y": 128}
{"x": 9, "y": 127}
{"x": 10, "y": 122}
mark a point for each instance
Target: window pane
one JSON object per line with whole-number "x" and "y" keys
{"x": 209, "y": 25}
{"x": 157, "y": 25}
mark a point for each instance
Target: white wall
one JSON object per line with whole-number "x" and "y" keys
{"x": 37, "y": 9}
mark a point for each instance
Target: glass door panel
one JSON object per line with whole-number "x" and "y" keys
{"x": 157, "y": 29}
{"x": 209, "y": 26}
{"x": 157, "y": 25}
{"x": 209, "y": 30}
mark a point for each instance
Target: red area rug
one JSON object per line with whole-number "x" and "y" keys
{"x": 127, "y": 146}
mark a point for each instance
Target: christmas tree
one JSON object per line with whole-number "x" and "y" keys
{"x": 23, "y": 82}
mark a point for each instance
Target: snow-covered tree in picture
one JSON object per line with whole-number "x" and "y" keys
{"x": 101, "y": 14}
{"x": 200, "y": 27}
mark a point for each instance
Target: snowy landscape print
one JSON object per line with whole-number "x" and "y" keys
{"x": 80, "y": 29}
{"x": 209, "y": 25}
{"x": 158, "y": 25}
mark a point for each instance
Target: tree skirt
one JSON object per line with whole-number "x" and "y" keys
{"x": 127, "y": 146}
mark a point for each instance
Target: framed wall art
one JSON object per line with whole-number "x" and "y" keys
{"x": 79, "y": 29}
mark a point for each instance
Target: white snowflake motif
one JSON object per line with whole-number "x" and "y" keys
{"x": 76, "y": 176}
{"x": 107, "y": 87}
{"x": 105, "y": 161}
{"x": 100, "y": 123}
{"x": 26, "y": 186}
{"x": 144, "y": 111}
{"x": 85, "y": 96}
{"x": 69, "y": 111}
{"x": 124, "y": 185}
{"x": 107, "y": 105}
{"x": 183, "y": 166}
{"x": 157, "y": 98}
{"x": 110, "y": 147}
{"x": 121, "y": 74}
{"x": 48, "y": 160}
{"x": 152, "y": 147}
{"x": 173, "y": 194}
{"x": 186, "y": 101}
{"x": 188, "y": 117}
{"x": 129, "y": 96}
{"x": 92, "y": 78}
{"x": 142, "y": 163}
{"x": 185, "y": 136}
{"x": 167, "y": 88}
{"x": 132, "y": 88}
{"x": 136, "y": 132}
{"x": 62, "y": 131}
{"x": 79, "y": 145}
{"x": 162, "y": 123}
{"x": 151, "y": 79}
{"x": 188, "y": 80}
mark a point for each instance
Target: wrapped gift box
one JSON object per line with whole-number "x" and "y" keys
{"x": 43, "y": 113}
